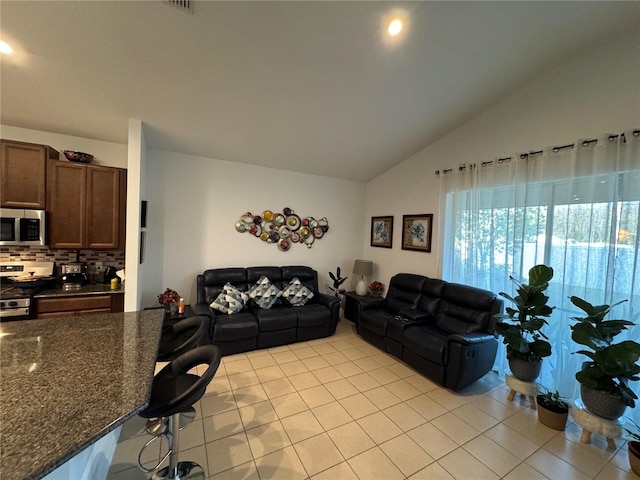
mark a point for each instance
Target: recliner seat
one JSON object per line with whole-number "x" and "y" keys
{"x": 444, "y": 330}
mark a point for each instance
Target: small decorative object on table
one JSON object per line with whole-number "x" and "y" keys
{"x": 169, "y": 299}
{"x": 337, "y": 282}
{"x": 376, "y": 288}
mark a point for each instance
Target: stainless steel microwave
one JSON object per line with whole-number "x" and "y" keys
{"x": 22, "y": 227}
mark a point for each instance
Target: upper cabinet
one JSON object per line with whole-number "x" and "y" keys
{"x": 22, "y": 179}
{"x": 86, "y": 206}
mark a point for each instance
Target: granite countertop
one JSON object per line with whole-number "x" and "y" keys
{"x": 91, "y": 289}
{"x": 66, "y": 382}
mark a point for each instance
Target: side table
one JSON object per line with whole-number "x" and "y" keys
{"x": 168, "y": 318}
{"x": 350, "y": 306}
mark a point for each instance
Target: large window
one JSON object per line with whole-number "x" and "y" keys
{"x": 580, "y": 219}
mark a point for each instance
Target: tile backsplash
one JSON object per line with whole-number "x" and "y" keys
{"x": 95, "y": 259}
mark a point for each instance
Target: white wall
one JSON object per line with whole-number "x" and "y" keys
{"x": 135, "y": 174}
{"x": 194, "y": 202}
{"x": 105, "y": 153}
{"x": 592, "y": 94}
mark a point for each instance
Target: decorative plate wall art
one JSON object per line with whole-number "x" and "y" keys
{"x": 283, "y": 228}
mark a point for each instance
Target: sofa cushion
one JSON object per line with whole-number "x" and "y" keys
{"x": 277, "y": 318}
{"x": 426, "y": 341}
{"x": 296, "y": 293}
{"x": 264, "y": 293}
{"x": 431, "y": 292}
{"x": 230, "y": 300}
{"x": 464, "y": 309}
{"x": 235, "y": 327}
{"x": 404, "y": 291}
{"x": 214, "y": 280}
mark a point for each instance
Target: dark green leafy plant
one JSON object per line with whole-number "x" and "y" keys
{"x": 522, "y": 332}
{"x": 552, "y": 400}
{"x": 337, "y": 282}
{"x": 612, "y": 365}
{"x": 634, "y": 432}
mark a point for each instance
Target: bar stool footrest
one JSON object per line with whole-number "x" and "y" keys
{"x": 160, "y": 461}
{"x": 186, "y": 471}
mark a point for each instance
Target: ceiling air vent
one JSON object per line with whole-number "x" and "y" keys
{"x": 184, "y": 5}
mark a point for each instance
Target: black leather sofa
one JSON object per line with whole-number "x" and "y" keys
{"x": 253, "y": 327}
{"x": 443, "y": 330}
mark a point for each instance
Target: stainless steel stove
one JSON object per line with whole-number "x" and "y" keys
{"x": 15, "y": 302}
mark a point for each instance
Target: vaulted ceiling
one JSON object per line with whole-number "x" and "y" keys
{"x": 315, "y": 87}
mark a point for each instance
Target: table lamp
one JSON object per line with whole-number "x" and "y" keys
{"x": 362, "y": 268}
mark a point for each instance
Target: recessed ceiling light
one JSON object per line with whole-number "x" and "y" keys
{"x": 395, "y": 27}
{"x": 5, "y": 48}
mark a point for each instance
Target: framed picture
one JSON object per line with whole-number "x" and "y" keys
{"x": 417, "y": 231}
{"x": 382, "y": 232}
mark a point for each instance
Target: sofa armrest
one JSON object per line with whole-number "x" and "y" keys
{"x": 366, "y": 303}
{"x": 327, "y": 300}
{"x": 470, "y": 338}
{"x": 469, "y": 357}
{"x": 333, "y": 304}
{"x": 418, "y": 316}
{"x": 204, "y": 309}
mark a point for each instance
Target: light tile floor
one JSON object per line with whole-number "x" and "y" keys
{"x": 339, "y": 408}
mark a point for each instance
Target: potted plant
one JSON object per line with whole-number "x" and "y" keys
{"x": 634, "y": 447}
{"x": 521, "y": 332}
{"x": 337, "y": 282}
{"x": 169, "y": 300}
{"x": 376, "y": 289}
{"x": 604, "y": 379}
{"x": 553, "y": 410}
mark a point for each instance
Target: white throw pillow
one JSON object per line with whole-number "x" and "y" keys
{"x": 296, "y": 293}
{"x": 264, "y": 293}
{"x": 230, "y": 301}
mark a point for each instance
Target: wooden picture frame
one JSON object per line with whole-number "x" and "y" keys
{"x": 382, "y": 232}
{"x": 417, "y": 232}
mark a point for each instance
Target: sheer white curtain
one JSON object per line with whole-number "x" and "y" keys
{"x": 576, "y": 209}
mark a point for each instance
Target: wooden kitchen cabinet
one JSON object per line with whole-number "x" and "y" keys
{"x": 86, "y": 206}
{"x": 69, "y": 306}
{"x": 105, "y": 212}
{"x": 23, "y": 173}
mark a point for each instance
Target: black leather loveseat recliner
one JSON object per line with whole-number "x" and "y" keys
{"x": 254, "y": 327}
{"x": 444, "y": 330}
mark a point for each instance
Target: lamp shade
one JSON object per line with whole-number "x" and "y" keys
{"x": 363, "y": 267}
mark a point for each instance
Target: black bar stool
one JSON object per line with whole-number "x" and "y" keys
{"x": 173, "y": 391}
{"x": 177, "y": 338}
{"x": 181, "y": 336}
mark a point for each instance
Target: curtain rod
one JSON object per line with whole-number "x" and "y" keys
{"x": 585, "y": 143}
